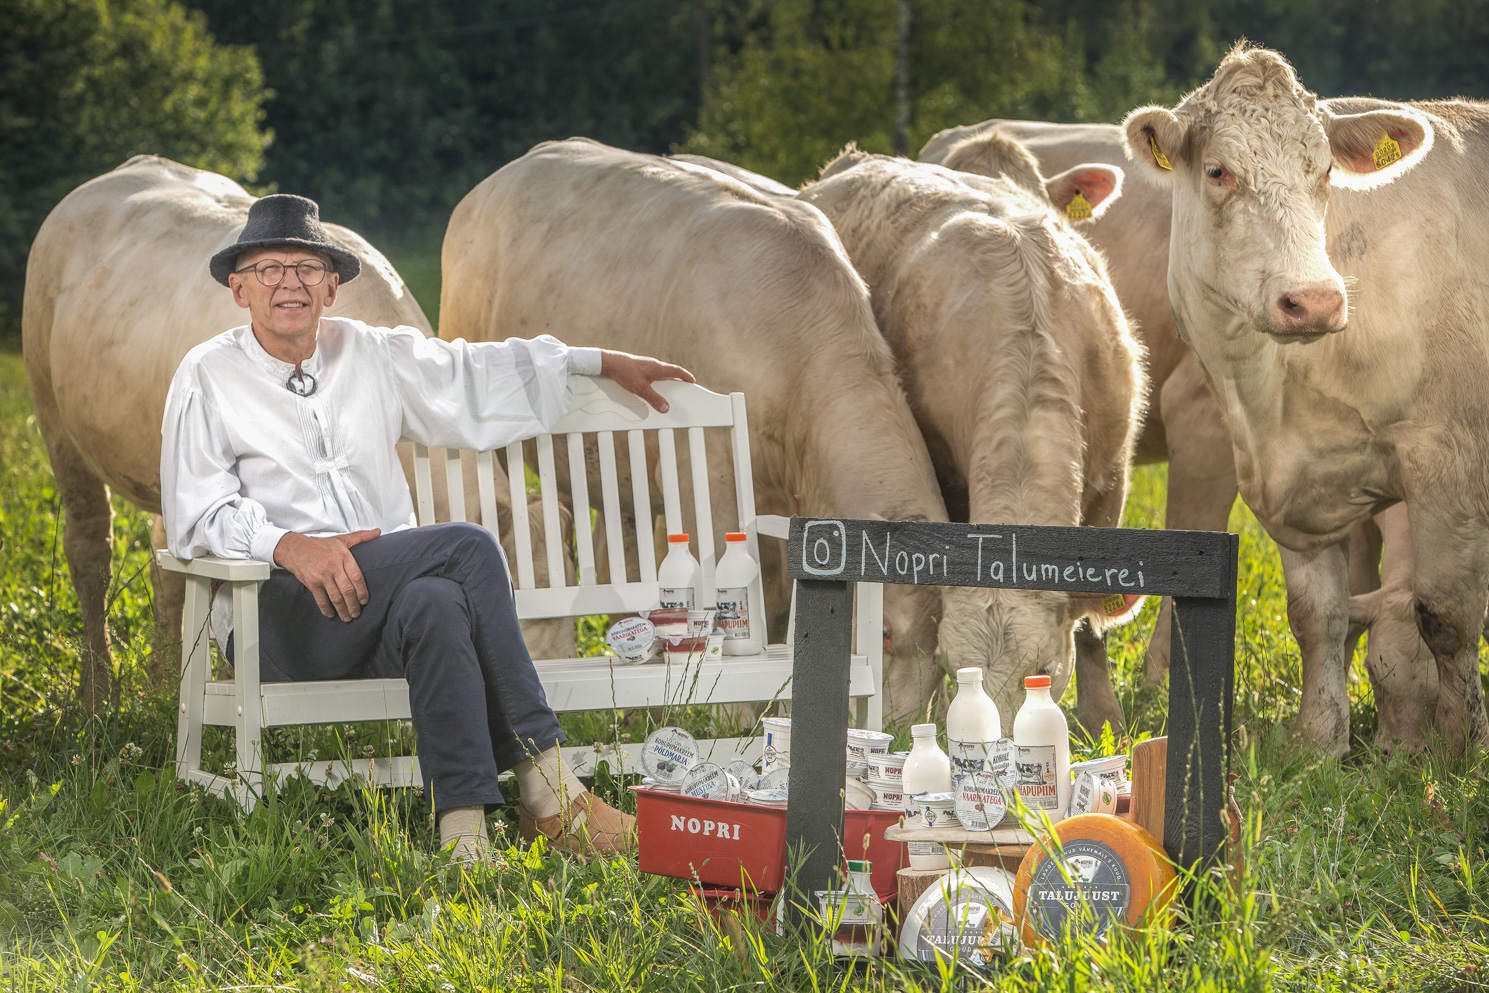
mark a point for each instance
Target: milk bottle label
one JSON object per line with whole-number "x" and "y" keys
{"x": 1034, "y": 765}
{"x": 967, "y": 757}
{"x": 734, "y": 612}
{"x": 681, "y": 596}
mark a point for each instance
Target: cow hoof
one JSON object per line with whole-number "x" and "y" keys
{"x": 1331, "y": 740}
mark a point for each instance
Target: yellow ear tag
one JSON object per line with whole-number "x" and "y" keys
{"x": 1079, "y": 207}
{"x": 1386, "y": 151}
{"x": 1113, "y": 604}
{"x": 1158, "y": 155}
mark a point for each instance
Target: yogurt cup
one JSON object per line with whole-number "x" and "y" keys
{"x": 700, "y": 621}
{"x": 888, "y": 767}
{"x": 1112, "y": 768}
{"x": 1093, "y": 794}
{"x": 633, "y": 640}
{"x": 766, "y": 798}
{"x": 670, "y": 622}
{"x": 857, "y": 795}
{"x": 887, "y": 795}
{"x": 777, "y": 743}
{"x": 668, "y": 754}
{"x": 863, "y": 744}
{"x": 980, "y": 803}
{"x": 938, "y": 809}
{"x": 682, "y": 651}
{"x": 857, "y": 769}
{"x": 776, "y": 779}
{"x": 739, "y": 768}
{"x": 706, "y": 781}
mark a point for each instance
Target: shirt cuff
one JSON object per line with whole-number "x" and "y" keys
{"x": 584, "y": 361}
{"x": 263, "y": 544}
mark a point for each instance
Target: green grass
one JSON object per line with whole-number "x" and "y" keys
{"x": 1369, "y": 874}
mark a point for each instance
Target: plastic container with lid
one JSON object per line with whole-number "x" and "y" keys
{"x": 679, "y": 577}
{"x": 1041, "y": 759}
{"x": 855, "y": 912}
{"x": 972, "y": 725}
{"x": 926, "y": 770}
{"x": 735, "y": 580}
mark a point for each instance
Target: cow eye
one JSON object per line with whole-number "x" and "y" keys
{"x": 1215, "y": 171}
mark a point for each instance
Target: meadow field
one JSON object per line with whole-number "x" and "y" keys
{"x": 1366, "y": 874}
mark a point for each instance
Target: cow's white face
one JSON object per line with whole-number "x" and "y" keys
{"x": 1011, "y": 634}
{"x": 1250, "y": 157}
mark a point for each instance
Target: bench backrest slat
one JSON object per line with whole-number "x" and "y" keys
{"x": 521, "y": 528}
{"x": 702, "y": 514}
{"x": 553, "y": 532}
{"x": 615, "y": 536}
{"x": 455, "y": 481}
{"x": 486, "y": 485}
{"x": 423, "y": 487}
{"x": 646, "y": 553}
{"x": 584, "y": 543}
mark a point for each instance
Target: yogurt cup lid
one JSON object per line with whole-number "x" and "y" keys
{"x": 771, "y": 797}
{"x": 980, "y": 804}
{"x": 668, "y": 754}
{"x": 863, "y": 735}
{"x": 1107, "y": 763}
{"x": 776, "y": 779}
{"x": 936, "y": 798}
{"x": 776, "y": 722}
{"x": 706, "y": 781}
{"x": 631, "y": 637}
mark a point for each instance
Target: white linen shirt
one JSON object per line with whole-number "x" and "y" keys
{"x": 244, "y": 460}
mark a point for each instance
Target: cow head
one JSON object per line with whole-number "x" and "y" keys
{"x": 1011, "y": 634}
{"x": 1250, "y": 157}
{"x": 993, "y": 153}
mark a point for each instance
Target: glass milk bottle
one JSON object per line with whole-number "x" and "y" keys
{"x": 679, "y": 576}
{"x": 1041, "y": 750}
{"x": 735, "y": 579}
{"x": 927, "y": 770}
{"x": 972, "y": 725}
{"x": 858, "y": 912}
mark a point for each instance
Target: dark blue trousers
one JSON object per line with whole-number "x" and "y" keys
{"x": 440, "y": 614}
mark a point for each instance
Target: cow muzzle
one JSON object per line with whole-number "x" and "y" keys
{"x": 1308, "y": 312}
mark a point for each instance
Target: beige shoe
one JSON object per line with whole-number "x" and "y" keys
{"x": 604, "y": 831}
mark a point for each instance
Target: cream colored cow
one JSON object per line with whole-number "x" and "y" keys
{"x": 117, "y": 291}
{"x": 1022, "y": 373}
{"x": 752, "y": 292}
{"x": 1326, "y": 268}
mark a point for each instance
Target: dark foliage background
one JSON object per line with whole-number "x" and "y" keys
{"x": 388, "y": 111}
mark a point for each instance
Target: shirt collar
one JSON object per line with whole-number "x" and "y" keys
{"x": 281, "y": 371}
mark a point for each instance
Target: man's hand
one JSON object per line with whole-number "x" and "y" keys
{"x": 637, "y": 372}
{"x": 326, "y": 567}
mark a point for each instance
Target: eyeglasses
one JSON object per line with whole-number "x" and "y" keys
{"x": 310, "y": 272}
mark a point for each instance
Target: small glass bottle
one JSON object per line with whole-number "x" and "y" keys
{"x": 858, "y": 913}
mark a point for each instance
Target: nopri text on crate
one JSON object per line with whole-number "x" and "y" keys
{"x": 694, "y": 825}
{"x": 1083, "y": 560}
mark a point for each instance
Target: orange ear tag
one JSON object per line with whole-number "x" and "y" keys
{"x": 1079, "y": 207}
{"x": 1158, "y": 155}
{"x": 1386, "y": 151}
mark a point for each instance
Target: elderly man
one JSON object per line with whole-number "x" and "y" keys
{"x": 278, "y": 445}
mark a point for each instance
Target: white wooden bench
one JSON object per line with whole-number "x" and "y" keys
{"x": 601, "y": 410}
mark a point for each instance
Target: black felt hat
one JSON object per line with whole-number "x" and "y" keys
{"x": 284, "y": 219}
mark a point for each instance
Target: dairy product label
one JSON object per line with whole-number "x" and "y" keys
{"x": 1034, "y": 766}
{"x": 1085, "y": 888}
{"x": 967, "y": 757}
{"x": 734, "y": 612}
{"x": 924, "y": 848}
{"x": 676, "y": 596}
{"x": 1000, "y": 758}
{"x": 972, "y": 926}
{"x": 668, "y": 754}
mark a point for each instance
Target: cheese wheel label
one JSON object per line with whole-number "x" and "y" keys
{"x": 1085, "y": 888}
{"x": 1034, "y": 765}
{"x": 973, "y": 926}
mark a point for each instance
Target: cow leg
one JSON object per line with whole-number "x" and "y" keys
{"x": 169, "y": 603}
{"x": 1450, "y": 580}
{"x": 1365, "y": 545}
{"x": 1201, "y": 478}
{"x": 1403, "y": 673}
{"x": 1318, "y": 613}
{"x": 1095, "y": 701}
{"x": 87, "y": 542}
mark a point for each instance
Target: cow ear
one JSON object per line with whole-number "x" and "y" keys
{"x": 1084, "y": 191}
{"x": 1374, "y": 148}
{"x": 1154, "y": 139}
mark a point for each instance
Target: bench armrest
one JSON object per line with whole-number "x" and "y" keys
{"x": 773, "y": 526}
{"x": 231, "y": 570}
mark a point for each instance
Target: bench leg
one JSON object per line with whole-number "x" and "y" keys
{"x": 251, "y": 781}
{"x": 196, "y": 659}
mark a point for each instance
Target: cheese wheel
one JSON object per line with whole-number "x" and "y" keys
{"x": 1098, "y": 870}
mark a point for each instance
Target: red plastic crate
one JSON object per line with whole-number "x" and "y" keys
{"x": 744, "y": 845}
{"x": 723, "y": 900}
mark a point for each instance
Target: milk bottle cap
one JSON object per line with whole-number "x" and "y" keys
{"x": 969, "y": 674}
{"x": 674, "y": 538}
{"x": 1040, "y": 682}
{"x": 922, "y": 730}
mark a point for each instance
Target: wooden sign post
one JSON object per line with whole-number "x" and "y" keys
{"x": 1196, "y": 568}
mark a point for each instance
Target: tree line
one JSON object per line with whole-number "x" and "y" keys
{"x": 388, "y": 112}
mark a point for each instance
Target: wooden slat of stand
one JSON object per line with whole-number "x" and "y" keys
{"x": 1149, "y": 775}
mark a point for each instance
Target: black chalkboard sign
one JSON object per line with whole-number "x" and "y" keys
{"x": 1197, "y": 568}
